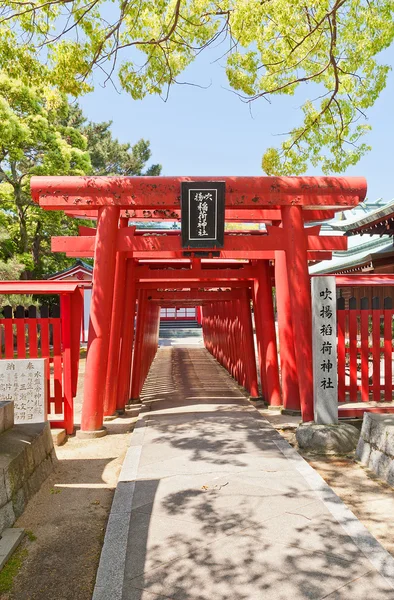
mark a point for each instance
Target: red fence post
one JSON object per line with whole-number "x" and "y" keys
{"x": 100, "y": 320}
{"x": 341, "y": 322}
{"x": 388, "y": 349}
{"x": 68, "y": 404}
{"x": 300, "y": 297}
{"x": 76, "y": 307}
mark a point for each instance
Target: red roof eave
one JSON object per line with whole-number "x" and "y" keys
{"x": 39, "y": 287}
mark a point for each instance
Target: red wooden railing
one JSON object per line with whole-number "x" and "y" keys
{"x": 365, "y": 350}
{"x": 47, "y": 333}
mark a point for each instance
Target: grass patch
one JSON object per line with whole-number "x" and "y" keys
{"x": 11, "y": 569}
{"x": 30, "y": 535}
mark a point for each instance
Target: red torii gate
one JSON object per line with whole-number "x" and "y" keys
{"x": 284, "y": 204}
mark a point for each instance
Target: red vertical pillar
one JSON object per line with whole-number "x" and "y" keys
{"x": 76, "y": 305}
{"x": 126, "y": 352}
{"x": 199, "y": 314}
{"x": 111, "y": 388}
{"x": 265, "y": 328}
{"x": 290, "y": 391}
{"x": 138, "y": 357}
{"x": 250, "y": 356}
{"x": 300, "y": 301}
{"x": 100, "y": 320}
{"x": 258, "y": 323}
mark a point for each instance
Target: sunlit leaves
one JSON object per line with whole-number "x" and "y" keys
{"x": 325, "y": 50}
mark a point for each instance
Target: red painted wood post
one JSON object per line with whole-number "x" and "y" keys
{"x": 138, "y": 346}
{"x": 353, "y": 313}
{"x": 126, "y": 352}
{"x": 68, "y": 404}
{"x": 100, "y": 319}
{"x": 265, "y": 326}
{"x": 199, "y": 314}
{"x": 258, "y": 323}
{"x": 111, "y": 388}
{"x": 76, "y": 312}
{"x": 364, "y": 312}
{"x": 388, "y": 349}
{"x": 300, "y": 297}
{"x": 250, "y": 355}
{"x": 341, "y": 322}
{"x": 376, "y": 311}
{"x": 289, "y": 379}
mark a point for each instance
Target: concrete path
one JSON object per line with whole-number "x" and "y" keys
{"x": 212, "y": 504}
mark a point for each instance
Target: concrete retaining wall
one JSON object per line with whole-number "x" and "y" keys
{"x": 27, "y": 457}
{"x": 375, "y": 448}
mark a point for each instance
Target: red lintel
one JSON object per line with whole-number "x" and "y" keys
{"x": 184, "y": 285}
{"x": 145, "y": 274}
{"x": 250, "y": 247}
{"x": 231, "y": 215}
{"x": 71, "y": 192}
{"x": 169, "y": 256}
{"x": 194, "y": 296}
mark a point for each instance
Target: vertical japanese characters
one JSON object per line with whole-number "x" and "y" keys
{"x": 325, "y": 370}
{"x": 202, "y": 212}
{"x": 24, "y": 382}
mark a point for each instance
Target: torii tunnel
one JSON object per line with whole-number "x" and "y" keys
{"x": 139, "y": 271}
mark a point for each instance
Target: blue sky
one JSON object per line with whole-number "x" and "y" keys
{"x": 212, "y": 132}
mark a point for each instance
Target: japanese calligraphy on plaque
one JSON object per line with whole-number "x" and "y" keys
{"x": 202, "y": 214}
{"x": 24, "y": 382}
{"x": 324, "y": 341}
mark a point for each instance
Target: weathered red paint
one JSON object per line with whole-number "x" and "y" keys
{"x": 232, "y": 215}
{"x": 164, "y": 192}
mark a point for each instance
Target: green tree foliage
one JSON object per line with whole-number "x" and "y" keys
{"x": 10, "y": 268}
{"x": 107, "y": 155}
{"x": 32, "y": 142}
{"x": 41, "y": 134}
{"x": 328, "y": 49}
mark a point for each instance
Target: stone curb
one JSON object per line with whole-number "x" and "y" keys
{"x": 9, "y": 541}
{"x": 111, "y": 570}
{"x": 363, "y": 539}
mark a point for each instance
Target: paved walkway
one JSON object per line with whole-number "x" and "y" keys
{"x": 212, "y": 504}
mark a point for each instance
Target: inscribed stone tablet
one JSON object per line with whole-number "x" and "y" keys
{"x": 24, "y": 382}
{"x": 324, "y": 343}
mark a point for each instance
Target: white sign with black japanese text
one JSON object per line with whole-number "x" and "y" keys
{"x": 25, "y": 382}
{"x": 324, "y": 343}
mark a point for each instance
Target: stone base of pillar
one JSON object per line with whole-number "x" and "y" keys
{"x": 91, "y": 435}
{"x": 290, "y": 413}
